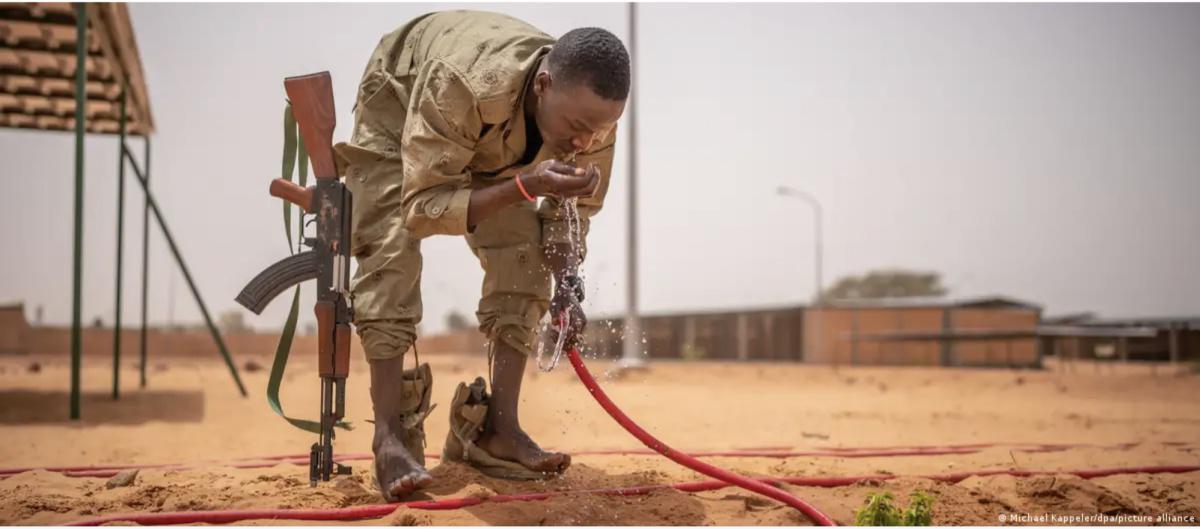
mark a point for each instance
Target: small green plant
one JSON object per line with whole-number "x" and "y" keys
{"x": 881, "y": 511}
{"x": 920, "y": 509}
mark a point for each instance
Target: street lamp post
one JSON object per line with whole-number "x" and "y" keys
{"x": 817, "y": 254}
{"x": 817, "y": 262}
{"x": 632, "y": 350}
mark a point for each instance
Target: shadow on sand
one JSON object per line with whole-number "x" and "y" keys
{"x": 23, "y": 406}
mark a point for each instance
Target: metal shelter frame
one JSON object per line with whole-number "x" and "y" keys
{"x": 41, "y": 85}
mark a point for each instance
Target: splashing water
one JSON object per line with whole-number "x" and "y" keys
{"x": 551, "y": 336}
{"x": 550, "y": 332}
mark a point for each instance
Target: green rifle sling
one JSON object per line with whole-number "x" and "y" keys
{"x": 293, "y": 151}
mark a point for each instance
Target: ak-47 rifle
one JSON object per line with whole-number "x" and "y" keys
{"x": 328, "y": 261}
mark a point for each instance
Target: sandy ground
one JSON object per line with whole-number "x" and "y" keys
{"x": 191, "y": 412}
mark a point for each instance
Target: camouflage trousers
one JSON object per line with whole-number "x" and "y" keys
{"x": 387, "y": 285}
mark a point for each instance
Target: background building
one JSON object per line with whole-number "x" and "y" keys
{"x": 14, "y": 329}
{"x": 993, "y": 331}
{"x": 746, "y": 334}
{"x": 1085, "y": 337}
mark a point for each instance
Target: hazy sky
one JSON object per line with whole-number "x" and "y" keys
{"x": 1045, "y": 152}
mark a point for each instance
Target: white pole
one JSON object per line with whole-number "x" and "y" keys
{"x": 818, "y": 258}
{"x": 817, "y": 229}
{"x": 631, "y": 356}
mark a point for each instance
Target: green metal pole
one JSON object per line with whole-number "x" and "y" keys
{"x": 77, "y": 270}
{"x": 187, "y": 275}
{"x": 116, "y": 392}
{"x": 145, "y": 255}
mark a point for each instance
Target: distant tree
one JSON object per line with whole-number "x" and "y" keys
{"x": 456, "y": 321}
{"x": 890, "y": 283}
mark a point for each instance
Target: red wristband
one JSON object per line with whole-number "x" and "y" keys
{"x": 522, "y": 188}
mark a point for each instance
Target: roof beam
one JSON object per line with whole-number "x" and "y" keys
{"x": 57, "y": 123}
{"x": 51, "y": 63}
{"x": 56, "y": 106}
{"x": 43, "y": 9}
{"x": 56, "y": 86}
{"x": 118, "y": 42}
{"x": 38, "y": 55}
{"x": 59, "y": 37}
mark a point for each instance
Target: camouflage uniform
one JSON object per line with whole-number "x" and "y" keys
{"x": 439, "y": 112}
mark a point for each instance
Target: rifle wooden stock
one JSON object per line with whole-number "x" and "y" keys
{"x": 312, "y": 104}
{"x": 300, "y": 196}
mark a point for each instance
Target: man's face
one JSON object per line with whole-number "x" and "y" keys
{"x": 571, "y": 117}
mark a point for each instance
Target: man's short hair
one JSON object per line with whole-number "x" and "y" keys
{"x": 595, "y": 57}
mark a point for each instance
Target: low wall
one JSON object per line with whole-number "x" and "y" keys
{"x": 199, "y": 343}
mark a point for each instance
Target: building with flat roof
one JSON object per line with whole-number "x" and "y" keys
{"x": 14, "y": 329}
{"x": 991, "y": 331}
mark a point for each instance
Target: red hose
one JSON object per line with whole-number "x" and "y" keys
{"x": 683, "y": 459}
{"x": 376, "y": 511}
{"x": 819, "y": 450}
{"x": 270, "y": 461}
{"x": 104, "y": 471}
{"x": 764, "y": 486}
{"x": 110, "y": 471}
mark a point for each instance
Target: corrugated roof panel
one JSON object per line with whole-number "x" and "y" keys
{"x": 37, "y": 68}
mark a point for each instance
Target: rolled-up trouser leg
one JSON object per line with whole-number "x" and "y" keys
{"x": 387, "y": 295}
{"x": 386, "y": 288}
{"x": 387, "y": 285}
{"x": 387, "y": 298}
{"x": 387, "y": 309}
{"x": 516, "y": 281}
